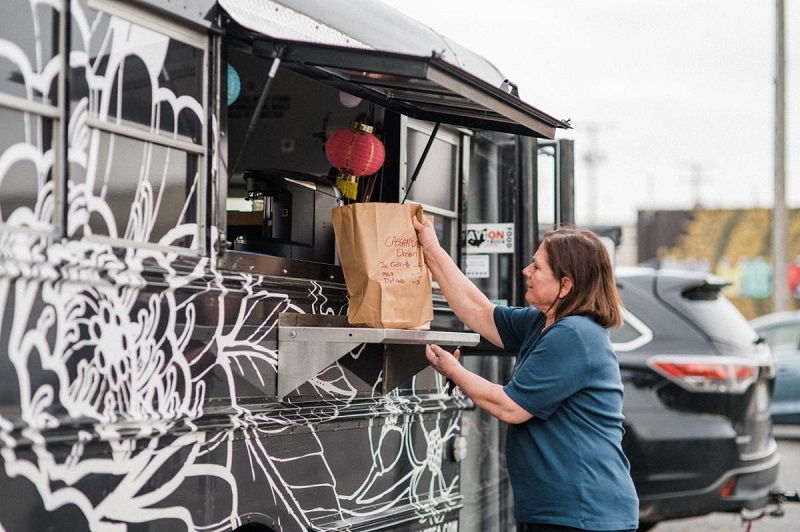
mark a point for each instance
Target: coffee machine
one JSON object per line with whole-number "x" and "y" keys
{"x": 296, "y": 221}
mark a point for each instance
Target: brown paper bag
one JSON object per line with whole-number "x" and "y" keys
{"x": 387, "y": 280}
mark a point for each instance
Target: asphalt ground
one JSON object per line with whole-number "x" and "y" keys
{"x": 788, "y": 437}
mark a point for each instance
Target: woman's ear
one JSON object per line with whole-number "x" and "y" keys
{"x": 566, "y": 287}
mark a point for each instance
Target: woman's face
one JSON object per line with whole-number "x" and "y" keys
{"x": 543, "y": 287}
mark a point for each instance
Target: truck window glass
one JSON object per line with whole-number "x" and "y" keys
{"x": 547, "y": 169}
{"x": 492, "y": 167}
{"x": 436, "y": 182}
{"x": 32, "y": 27}
{"x": 26, "y": 142}
{"x": 140, "y": 165}
{"x": 177, "y": 95}
{"x": 28, "y": 85}
{"x": 436, "y": 185}
{"x": 164, "y": 184}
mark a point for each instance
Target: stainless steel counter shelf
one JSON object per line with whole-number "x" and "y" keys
{"x": 309, "y": 343}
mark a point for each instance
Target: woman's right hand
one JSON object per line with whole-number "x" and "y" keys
{"x": 425, "y": 233}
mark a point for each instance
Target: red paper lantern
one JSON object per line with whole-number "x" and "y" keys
{"x": 355, "y": 152}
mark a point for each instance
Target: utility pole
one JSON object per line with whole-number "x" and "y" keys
{"x": 697, "y": 183}
{"x": 780, "y": 288}
{"x": 650, "y": 202}
{"x": 592, "y": 158}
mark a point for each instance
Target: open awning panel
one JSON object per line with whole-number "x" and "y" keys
{"x": 427, "y": 88}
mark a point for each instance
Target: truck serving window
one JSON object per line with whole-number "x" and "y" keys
{"x": 281, "y": 187}
{"x": 141, "y": 95}
{"x": 287, "y": 96}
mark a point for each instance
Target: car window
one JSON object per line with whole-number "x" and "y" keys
{"x": 626, "y": 333}
{"x": 782, "y": 337}
{"x": 633, "y": 333}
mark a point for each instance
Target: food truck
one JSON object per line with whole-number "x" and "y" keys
{"x": 174, "y": 348}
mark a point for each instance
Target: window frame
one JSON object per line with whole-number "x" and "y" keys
{"x": 44, "y": 112}
{"x": 190, "y": 37}
{"x": 459, "y": 140}
{"x": 57, "y": 114}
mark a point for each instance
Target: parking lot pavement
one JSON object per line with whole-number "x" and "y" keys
{"x": 788, "y": 437}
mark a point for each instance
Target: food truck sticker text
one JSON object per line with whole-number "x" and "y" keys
{"x": 490, "y": 238}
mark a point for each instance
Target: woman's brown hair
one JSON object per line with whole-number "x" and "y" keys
{"x": 580, "y": 255}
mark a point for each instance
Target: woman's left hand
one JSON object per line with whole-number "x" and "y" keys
{"x": 442, "y": 361}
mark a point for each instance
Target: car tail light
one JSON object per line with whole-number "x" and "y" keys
{"x": 729, "y": 488}
{"x": 707, "y": 374}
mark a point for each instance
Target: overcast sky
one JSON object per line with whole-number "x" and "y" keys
{"x": 675, "y": 89}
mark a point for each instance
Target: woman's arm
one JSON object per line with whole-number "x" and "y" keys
{"x": 470, "y": 304}
{"x": 486, "y": 395}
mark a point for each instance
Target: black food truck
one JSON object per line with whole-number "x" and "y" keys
{"x": 174, "y": 348}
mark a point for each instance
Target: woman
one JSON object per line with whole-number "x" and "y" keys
{"x": 564, "y": 400}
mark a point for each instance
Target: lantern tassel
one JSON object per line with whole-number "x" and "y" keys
{"x": 348, "y": 186}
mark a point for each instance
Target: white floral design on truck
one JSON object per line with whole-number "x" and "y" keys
{"x": 137, "y": 375}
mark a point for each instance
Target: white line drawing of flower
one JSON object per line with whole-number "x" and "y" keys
{"x": 116, "y": 351}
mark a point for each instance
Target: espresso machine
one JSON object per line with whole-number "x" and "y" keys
{"x": 296, "y": 221}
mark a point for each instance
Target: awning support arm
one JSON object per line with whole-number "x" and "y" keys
{"x": 276, "y": 62}
{"x": 422, "y": 159}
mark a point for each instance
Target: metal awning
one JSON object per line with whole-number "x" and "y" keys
{"x": 428, "y": 88}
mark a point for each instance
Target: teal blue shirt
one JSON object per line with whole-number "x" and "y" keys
{"x": 566, "y": 464}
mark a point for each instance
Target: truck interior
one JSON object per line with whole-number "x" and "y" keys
{"x": 453, "y": 143}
